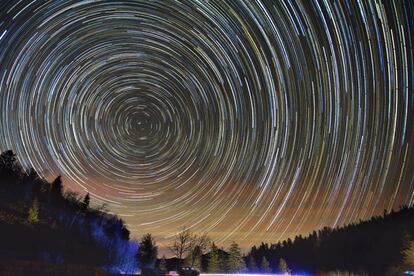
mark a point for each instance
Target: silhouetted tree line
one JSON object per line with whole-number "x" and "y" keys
{"x": 190, "y": 251}
{"x": 382, "y": 245}
{"x": 378, "y": 246}
{"x": 41, "y": 221}
{"x": 217, "y": 260}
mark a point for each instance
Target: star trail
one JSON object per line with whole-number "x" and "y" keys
{"x": 251, "y": 120}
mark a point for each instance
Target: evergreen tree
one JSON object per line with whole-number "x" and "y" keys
{"x": 252, "y": 264}
{"x": 57, "y": 186}
{"x": 223, "y": 267}
{"x": 9, "y": 166}
{"x": 163, "y": 264}
{"x": 86, "y": 201}
{"x": 148, "y": 251}
{"x": 8, "y": 161}
{"x": 194, "y": 258}
{"x": 283, "y": 267}
{"x": 265, "y": 266}
{"x": 235, "y": 261}
{"x": 33, "y": 214}
{"x": 213, "y": 262}
{"x": 408, "y": 254}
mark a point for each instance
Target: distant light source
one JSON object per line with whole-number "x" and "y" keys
{"x": 248, "y": 274}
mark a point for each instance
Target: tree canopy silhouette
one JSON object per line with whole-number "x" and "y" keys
{"x": 148, "y": 251}
{"x": 40, "y": 221}
{"x": 376, "y": 246}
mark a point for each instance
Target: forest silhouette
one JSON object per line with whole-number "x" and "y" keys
{"x": 382, "y": 245}
{"x": 40, "y": 221}
{"x": 43, "y": 222}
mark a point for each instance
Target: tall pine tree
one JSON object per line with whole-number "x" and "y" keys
{"x": 85, "y": 202}
{"x": 235, "y": 261}
{"x": 283, "y": 267}
{"x": 408, "y": 254}
{"x": 147, "y": 252}
{"x": 265, "y": 266}
{"x": 252, "y": 264}
{"x": 213, "y": 262}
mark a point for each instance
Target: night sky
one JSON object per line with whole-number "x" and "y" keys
{"x": 251, "y": 120}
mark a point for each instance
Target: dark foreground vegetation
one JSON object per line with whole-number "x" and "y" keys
{"x": 383, "y": 245}
{"x": 48, "y": 230}
{"x": 40, "y": 222}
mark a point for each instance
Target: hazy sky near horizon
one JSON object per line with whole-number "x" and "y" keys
{"x": 251, "y": 120}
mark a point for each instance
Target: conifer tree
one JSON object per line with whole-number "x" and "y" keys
{"x": 408, "y": 254}
{"x": 213, "y": 262}
{"x": 195, "y": 257}
{"x": 252, "y": 264}
{"x": 86, "y": 201}
{"x": 235, "y": 261}
{"x": 147, "y": 251}
{"x": 283, "y": 267}
{"x": 33, "y": 214}
{"x": 57, "y": 186}
{"x": 265, "y": 266}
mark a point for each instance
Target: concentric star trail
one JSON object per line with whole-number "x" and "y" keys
{"x": 252, "y": 120}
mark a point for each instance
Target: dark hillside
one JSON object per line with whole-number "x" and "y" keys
{"x": 374, "y": 246}
{"x": 40, "y": 221}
